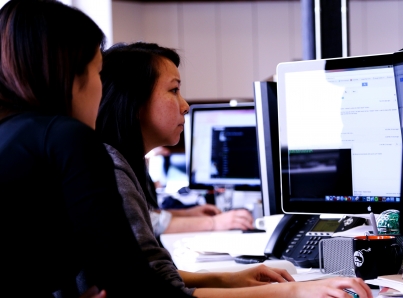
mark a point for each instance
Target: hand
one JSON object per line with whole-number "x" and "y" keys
{"x": 259, "y": 275}
{"x": 332, "y": 287}
{"x": 233, "y": 219}
{"x": 200, "y": 210}
{"x": 93, "y": 292}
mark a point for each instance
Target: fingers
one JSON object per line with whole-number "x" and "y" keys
{"x": 202, "y": 210}
{"x": 285, "y": 275}
{"x": 362, "y": 287}
{"x": 234, "y": 219}
{"x": 243, "y": 219}
{"x": 278, "y": 275}
{"x": 358, "y": 285}
{"x": 211, "y": 209}
{"x": 335, "y": 287}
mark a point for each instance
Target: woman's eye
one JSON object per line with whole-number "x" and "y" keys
{"x": 175, "y": 90}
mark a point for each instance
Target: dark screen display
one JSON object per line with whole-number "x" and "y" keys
{"x": 326, "y": 225}
{"x": 233, "y": 152}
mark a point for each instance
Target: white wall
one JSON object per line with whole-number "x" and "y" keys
{"x": 375, "y": 26}
{"x": 225, "y": 46}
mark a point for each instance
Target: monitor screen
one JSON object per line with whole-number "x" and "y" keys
{"x": 223, "y": 146}
{"x": 265, "y": 96}
{"x": 340, "y": 135}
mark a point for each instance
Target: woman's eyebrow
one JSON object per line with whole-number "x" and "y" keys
{"x": 177, "y": 80}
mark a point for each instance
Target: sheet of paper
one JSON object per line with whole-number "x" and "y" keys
{"x": 233, "y": 244}
{"x": 391, "y": 281}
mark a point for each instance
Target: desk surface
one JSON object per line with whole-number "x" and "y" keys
{"x": 234, "y": 242}
{"x": 174, "y": 244}
{"x": 185, "y": 259}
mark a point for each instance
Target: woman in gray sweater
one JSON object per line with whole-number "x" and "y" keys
{"x": 141, "y": 109}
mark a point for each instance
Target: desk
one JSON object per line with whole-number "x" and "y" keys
{"x": 234, "y": 242}
{"x": 184, "y": 260}
{"x": 174, "y": 242}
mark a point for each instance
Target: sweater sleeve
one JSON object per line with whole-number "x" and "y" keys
{"x": 160, "y": 221}
{"x": 136, "y": 209}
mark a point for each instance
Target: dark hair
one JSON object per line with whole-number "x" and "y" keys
{"x": 129, "y": 74}
{"x": 44, "y": 44}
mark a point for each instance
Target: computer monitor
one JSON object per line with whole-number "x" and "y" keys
{"x": 340, "y": 125}
{"x": 265, "y": 96}
{"x": 223, "y": 146}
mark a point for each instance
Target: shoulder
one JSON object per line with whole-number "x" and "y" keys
{"x": 51, "y": 132}
{"x": 68, "y": 143}
{"x": 37, "y": 122}
{"x": 117, "y": 157}
{"x": 65, "y": 134}
{"x": 53, "y": 126}
{"x": 125, "y": 175}
{"x": 72, "y": 128}
{"x": 120, "y": 162}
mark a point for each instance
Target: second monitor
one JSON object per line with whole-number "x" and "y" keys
{"x": 223, "y": 146}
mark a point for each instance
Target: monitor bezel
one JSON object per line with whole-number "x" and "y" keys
{"x": 265, "y": 97}
{"x": 324, "y": 207}
{"x": 214, "y": 106}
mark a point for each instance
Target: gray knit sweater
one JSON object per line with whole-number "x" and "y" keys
{"x": 136, "y": 208}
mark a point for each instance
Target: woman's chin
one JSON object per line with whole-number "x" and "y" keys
{"x": 173, "y": 142}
